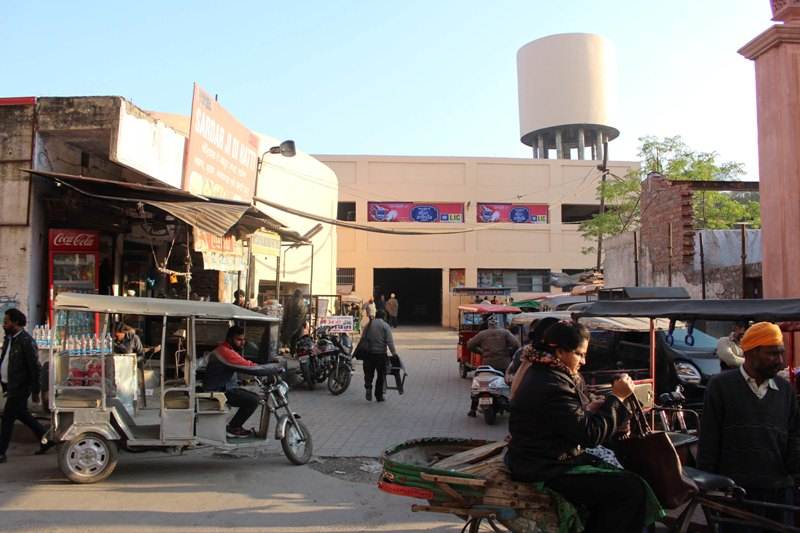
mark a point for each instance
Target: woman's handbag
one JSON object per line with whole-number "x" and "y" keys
{"x": 651, "y": 455}
{"x": 361, "y": 352}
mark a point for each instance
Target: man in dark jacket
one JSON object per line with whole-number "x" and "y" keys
{"x": 751, "y": 423}
{"x": 378, "y": 335}
{"x": 294, "y": 315}
{"x": 19, "y": 377}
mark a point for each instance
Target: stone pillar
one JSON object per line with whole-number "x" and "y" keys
{"x": 559, "y": 146}
{"x": 542, "y": 148}
{"x": 776, "y": 53}
{"x": 581, "y": 143}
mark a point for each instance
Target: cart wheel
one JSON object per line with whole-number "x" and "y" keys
{"x": 297, "y": 444}
{"x": 462, "y": 370}
{"x": 87, "y": 458}
{"x": 490, "y": 415}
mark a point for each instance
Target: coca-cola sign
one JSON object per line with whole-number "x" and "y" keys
{"x": 74, "y": 240}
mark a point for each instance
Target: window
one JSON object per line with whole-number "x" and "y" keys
{"x": 516, "y": 280}
{"x": 346, "y": 276}
{"x": 577, "y": 213}
{"x": 346, "y": 211}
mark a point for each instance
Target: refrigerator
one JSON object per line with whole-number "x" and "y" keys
{"x": 73, "y": 267}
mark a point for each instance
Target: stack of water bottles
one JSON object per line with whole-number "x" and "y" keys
{"x": 91, "y": 349}
{"x": 44, "y": 336}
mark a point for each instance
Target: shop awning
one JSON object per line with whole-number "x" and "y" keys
{"x": 218, "y": 217}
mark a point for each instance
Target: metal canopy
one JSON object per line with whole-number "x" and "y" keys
{"x": 156, "y": 307}
{"x": 489, "y": 308}
{"x": 776, "y": 310}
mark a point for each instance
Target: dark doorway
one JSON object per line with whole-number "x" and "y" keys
{"x": 418, "y": 290}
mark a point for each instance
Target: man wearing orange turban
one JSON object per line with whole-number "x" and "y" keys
{"x": 751, "y": 423}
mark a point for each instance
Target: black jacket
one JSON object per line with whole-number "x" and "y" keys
{"x": 23, "y": 365}
{"x": 550, "y": 427}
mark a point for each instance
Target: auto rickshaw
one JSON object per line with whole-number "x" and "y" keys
{"x": 94, "y": 394}
{"x": 472, "y": 319}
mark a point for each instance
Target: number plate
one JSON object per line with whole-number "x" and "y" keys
{"x": 485, "y": 401}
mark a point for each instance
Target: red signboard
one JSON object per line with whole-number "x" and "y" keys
{"x": 514, "y": 213}
{"x": 221, "y": 154}
{"x": 74, "y": 240}
{"x": 436, "y": 212}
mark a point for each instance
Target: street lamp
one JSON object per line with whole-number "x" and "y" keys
{"x": 286, "y": 149}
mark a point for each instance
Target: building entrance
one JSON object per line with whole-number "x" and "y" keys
{"x": 419, "y": 291}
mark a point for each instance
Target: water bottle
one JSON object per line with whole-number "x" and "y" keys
{"x": 109, "y": 344}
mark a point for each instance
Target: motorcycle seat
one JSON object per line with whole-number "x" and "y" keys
{"x": 706, "y": 481}
{"x": 270, "y": 369}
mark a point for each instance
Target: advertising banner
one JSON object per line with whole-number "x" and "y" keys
{"x": 438, "y": 212}
{"x": 515, "y": 213}
{"x": 266, "y": 243}
{"x": 221, "y": 154}
{"x": 225, "y": 254}
{"x": 337, "y": 324}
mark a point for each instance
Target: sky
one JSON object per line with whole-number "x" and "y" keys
{"x": 435, "y": 77}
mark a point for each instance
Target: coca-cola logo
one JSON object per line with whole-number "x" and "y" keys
{"x": 75, "y": 240}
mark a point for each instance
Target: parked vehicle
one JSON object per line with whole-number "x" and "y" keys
{"x": 493, "y": 393}
{"x": 326, "y": 358}
{"x": 472, "y": 319}
{"x": 96, "y": 413}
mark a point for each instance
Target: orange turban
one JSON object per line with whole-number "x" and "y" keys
{"x": 762, "y": 334}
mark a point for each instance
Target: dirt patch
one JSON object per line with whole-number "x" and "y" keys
{"x": 355, "y": 469}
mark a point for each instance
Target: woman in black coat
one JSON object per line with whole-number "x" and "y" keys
{"x": 553, "y": 422}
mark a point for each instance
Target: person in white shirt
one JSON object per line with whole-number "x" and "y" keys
{"x": 729, "y": 349}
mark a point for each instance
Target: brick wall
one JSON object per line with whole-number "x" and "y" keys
{"x": 664, "y": 203}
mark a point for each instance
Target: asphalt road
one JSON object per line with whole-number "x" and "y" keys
{"x": 258, "y": 490}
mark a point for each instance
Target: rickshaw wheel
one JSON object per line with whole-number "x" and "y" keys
{"x": 87, "y": 458}
{"x": 292, "y": 443}
{"x": 462, "y": 370}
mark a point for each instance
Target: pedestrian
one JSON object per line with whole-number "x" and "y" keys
{"x": 751, "y": 424}
{"x": 370, "y": 309}
{"x": 485, "y": 300}
{"x": 379, "y": 338}
{"x": 19, "y": 377}
{"x": 729, "y": 349}
{"x": 294, "y": 316}
{"x": 392, "y": 308}
{"x": 380, "y": 303}
{"x": 496, "y": 346}
{"x": 240, "y": 299}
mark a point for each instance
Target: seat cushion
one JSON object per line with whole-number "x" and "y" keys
{"x": 706, "y": 481}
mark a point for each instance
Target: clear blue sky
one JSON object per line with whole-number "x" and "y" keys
{"x": 380, "y": 77}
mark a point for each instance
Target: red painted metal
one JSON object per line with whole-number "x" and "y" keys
{"x": 18, "y": 100}
{"x": 401, "y": 490}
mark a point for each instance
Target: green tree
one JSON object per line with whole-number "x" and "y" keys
{"x": 671, "y": 157}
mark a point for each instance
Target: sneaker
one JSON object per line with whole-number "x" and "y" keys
{"x": 472, "y": 414}
{"x": 369, "y": 395}
{"x": 238, "y": 432}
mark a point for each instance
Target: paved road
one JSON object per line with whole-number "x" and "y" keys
{"x": 435, "y": 403}
{"x": 261, "y": 491}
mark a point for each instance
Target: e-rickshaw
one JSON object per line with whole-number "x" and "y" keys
{"x": 472, "y": 319}
{"x": 468, "y": 478}
{"x": 94, "y": 393}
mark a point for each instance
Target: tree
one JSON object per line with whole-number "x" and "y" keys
{"x": 672, "y": 158}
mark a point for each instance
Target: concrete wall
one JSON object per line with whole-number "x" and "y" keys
{"x": 554, "y": 246}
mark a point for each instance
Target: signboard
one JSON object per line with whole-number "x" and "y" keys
{"x": 266, "y": 243}
{"x": 74, "y": 240}
{"x": 515, "y": 213}
{"x": 439, "y": 212}
{"x": 337, "y": 324}
{"x": 225, "y": 254}
{"x": 221, "y": 154}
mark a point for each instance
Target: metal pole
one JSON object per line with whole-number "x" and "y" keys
{"x": 188, "y": 266}
{"x": 702, "y": 266}
{"x": 600, "y": 229}
{"x": 744, "y": 259}
{"x": 635, "y": 260}
{"x": 278, "y": 277}
{"x": 311, "y": 281}
{"x": 669, "y": 264}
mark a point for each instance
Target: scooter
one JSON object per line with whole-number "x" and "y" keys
{"x": 493, "y": 393}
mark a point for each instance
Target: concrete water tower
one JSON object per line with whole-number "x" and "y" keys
{"x": 566, "y": 95}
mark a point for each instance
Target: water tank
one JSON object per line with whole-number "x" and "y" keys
{"x": 566, "y": 95}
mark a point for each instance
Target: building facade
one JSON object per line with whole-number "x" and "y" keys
{"x": 484, "y": 198}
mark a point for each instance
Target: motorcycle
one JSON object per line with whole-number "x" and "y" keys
{"x": 328, "y": 358}
{"x": 493, "y": 393}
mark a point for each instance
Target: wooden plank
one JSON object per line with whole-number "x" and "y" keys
{"x": 471, "y": 456}
{"x": 454, "y": 480}
{"x": 450, "y": 491}
{"x": 462, "y": 511}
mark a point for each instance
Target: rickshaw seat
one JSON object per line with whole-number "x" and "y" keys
{"x": 706, "y": 481}
{"x": 211, "y": 401}
{"x": 78, "y": 398}
{"x": 176, "y": 399}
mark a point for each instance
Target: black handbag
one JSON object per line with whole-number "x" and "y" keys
{"x": 361, "y": 352}
{"x": 651, "y": 455}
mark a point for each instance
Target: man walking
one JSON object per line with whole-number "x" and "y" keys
{"x": 392, "y": 308}
{"x": 19, "y": 377}
{"x": 751, "y": 423}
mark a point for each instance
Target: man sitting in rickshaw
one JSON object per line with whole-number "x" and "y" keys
{"x": 221, "y": 376}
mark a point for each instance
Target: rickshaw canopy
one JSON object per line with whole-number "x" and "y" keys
{"x": 606, "y": 323}
{"x": 486, "y": 309}
{"x": 774, "y": 310}
{"x": 156, "y": 307}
